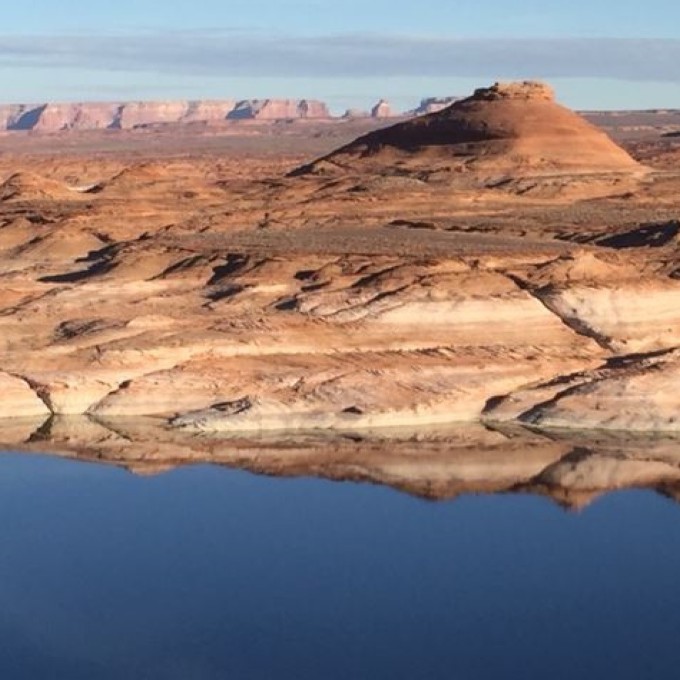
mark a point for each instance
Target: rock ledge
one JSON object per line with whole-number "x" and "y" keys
{"x": 528, "y": 89}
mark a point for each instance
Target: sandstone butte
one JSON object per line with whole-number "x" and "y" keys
{"x": 500, "y": 261}
{"x": 506, "y": 131}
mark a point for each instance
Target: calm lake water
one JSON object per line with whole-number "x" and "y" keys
{"x": 211, "y": 573}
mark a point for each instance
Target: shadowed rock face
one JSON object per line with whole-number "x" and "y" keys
{"x": 437, "y": 464}
{"x": 21, "y": 116}
{"x": 516, "y": 129}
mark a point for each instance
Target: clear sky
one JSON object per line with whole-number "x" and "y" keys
{"x": 597, "y": 53}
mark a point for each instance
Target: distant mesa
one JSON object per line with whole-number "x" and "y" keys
{"x": 356, "y": 114}
{"x": 508, "y": 129}
{"x": 56, "y": 117}
{"x": 432, "y": 105}
{"x": 278, "y": 109}
{"x": 139, "y": 114}
{"x": 382, "y": 110}
{"x": 205, "y": 110}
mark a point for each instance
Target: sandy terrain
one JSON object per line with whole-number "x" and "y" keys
{"x": 500, "y": 260}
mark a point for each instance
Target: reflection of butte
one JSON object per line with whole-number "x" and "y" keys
{"x": 435, "y": 464}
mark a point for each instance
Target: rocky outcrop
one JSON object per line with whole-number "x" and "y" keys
{"x": 634, "y": 394}
{"x": 522, "y": 91}
{"x": 23, "y": 400}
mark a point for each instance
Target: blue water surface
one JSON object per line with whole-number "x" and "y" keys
{"x": 206, "y": 572}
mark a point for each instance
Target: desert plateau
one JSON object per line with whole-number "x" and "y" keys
{"x": 501, "y": 262}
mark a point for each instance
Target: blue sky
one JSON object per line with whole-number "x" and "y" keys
{"x": 598, "y": 54}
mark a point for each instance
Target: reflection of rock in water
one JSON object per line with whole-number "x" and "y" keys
{"x": 437, "y": 464}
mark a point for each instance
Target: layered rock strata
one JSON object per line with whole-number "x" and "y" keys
{"x": 251, "y": 342}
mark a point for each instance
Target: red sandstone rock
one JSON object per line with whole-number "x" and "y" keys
{"x": 356, "y": 113}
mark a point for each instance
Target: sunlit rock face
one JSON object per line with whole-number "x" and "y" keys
{"x": 19, "y": 399}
